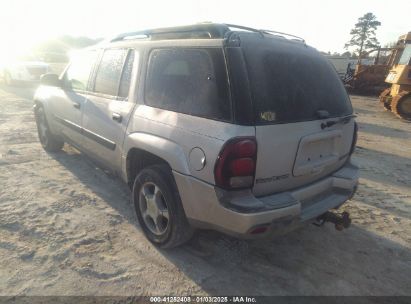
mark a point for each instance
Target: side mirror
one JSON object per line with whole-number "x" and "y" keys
{"x": 50, "y": 80}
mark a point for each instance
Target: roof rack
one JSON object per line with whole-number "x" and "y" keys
{"x": 294, "y": 37}
{"x": 201, "y": 30}
{"x": 197, "y": 31}
{"x": 246, "y": 28}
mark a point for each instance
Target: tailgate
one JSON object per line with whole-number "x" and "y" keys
{"x": 295, "y": 154}
{"x": 303, "y": 115}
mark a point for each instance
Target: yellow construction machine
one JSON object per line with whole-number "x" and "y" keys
{"x": 368, "y": 78}
{"x": 397, "y": 98}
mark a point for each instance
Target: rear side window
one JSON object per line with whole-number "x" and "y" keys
{"x": 291, "y": 85}
{"x": 109, "y": 72}
{"x": 78, "y": 72}
{"x": 189, "y": 81}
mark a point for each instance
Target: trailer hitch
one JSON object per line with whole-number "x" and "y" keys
{"x": 340, "y": 221}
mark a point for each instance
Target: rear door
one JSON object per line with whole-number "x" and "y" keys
{"x": 303, "y": 114}
{"x": 108, "y": 107}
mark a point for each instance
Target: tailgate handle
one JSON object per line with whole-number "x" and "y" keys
{"x": 76, "y": 105}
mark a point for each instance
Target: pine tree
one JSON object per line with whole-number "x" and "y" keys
{"x": 363, "y": 34}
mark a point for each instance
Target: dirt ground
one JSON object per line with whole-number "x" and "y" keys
{"x": 68, "y": 228}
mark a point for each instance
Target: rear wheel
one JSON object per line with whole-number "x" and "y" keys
{"x": 49, "y": 141}
{"x": 159, "y": 209}
{"x": 401, "y": 105}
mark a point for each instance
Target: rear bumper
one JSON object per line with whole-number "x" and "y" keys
{"x": 238, "y": 213}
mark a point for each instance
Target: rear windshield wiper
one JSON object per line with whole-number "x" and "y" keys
{"x": 344, "y": 120}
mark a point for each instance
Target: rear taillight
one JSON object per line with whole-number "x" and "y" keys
{"x": 354, "y": 138}
{"x": 235, "y": 166}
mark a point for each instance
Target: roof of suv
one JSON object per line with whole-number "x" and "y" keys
{"x": 200, "y": 31}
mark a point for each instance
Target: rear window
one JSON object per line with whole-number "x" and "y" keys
{"x": 190, "y": 81}
{"x": 293, "y": 85}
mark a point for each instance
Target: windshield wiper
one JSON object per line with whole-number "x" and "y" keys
{"x": 344, "y": 120}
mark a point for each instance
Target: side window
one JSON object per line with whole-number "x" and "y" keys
{"x": 190, "y": 81}
{"x": 78, "y": 73}
{"x": 126, "y": 76}
{"x": 406, "y": 56}
{"x": 109, "y": 72}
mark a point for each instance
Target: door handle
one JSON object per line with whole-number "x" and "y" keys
{"x": 117, "y": 117}
{"x": 76, "y": 105}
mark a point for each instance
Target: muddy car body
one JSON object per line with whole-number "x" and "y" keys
{"x": 242, "y": 131}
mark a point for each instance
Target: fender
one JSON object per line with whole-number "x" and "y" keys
{"x": 164, "y": 148}
{"x": 41, "y": 98}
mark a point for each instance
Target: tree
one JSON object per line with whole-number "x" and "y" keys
{"x": 363, "y": 34}
{"x": 346, "y": 54}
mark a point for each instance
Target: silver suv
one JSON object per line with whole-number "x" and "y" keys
{"x": 213, "y": 126}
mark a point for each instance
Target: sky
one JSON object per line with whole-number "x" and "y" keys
{"x": 324, "y": 24}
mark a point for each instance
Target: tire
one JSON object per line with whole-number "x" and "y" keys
{"x": 49, "y": 141}
{"x": 159, "y": 209}
{"x": 401, "y": 105}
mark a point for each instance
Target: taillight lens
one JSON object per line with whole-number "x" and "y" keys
{"x": 235, "y": 166}
{"x": 354, "y": 139}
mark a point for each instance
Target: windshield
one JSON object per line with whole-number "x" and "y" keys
{"x": 294, "y": 83}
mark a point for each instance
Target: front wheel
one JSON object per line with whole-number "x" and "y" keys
{"x": 49, "y": 142}
{"x": 159, "y": 209}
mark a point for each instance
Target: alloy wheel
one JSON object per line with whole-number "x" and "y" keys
{"x": 153, "y": 208}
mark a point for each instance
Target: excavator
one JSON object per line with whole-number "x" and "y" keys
{"x": 397, "y": 98}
